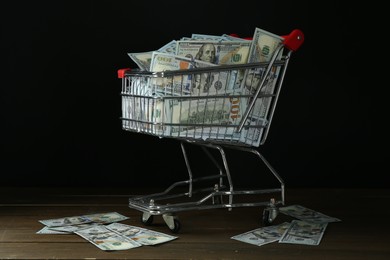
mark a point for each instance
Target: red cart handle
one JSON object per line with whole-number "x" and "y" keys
{"x": 294, "y": 40}
{"x": 122, "y": 72}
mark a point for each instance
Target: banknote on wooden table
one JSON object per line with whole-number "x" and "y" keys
{"x": 71, "y": 229}
{"x": 141, "y": 235}
{"x": 263, "y": 235}
{"x": 304, "y": 232}
{"x": 49, "y": 231}
{"x": 106, "y": 239}
{"x": 107, "y": 217}
{"x": 66, "y": 221}
{"x": 303, "y": 213}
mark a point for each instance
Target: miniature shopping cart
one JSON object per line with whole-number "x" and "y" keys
{"x": 216, "y": 108}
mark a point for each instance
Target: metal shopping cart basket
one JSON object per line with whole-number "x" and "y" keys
{"x": 215, "y": 108}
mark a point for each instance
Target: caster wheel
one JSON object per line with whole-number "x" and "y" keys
{"x": 176, "y": 227}
{"x": 266, "y": 217}
{"x": 147, "y": 219}
{"x": 269, "y": 215}
{"x": 172, "y": 222}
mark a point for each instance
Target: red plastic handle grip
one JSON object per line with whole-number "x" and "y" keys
{"x": 121, "y": 72}
{"x": 294, "y": 40}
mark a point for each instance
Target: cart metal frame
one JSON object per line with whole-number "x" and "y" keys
{"x": 140, "y": 100}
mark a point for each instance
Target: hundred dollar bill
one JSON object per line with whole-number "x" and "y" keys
{"x": 132, "y": 110}
{"x": 225, "y": 52}
{"x": 303, "y": 213}
{"x": 264, "y": 235}
{"x": 141, "y": 235}
{"x": 258, "y": 117}
{"x": 228, "y": 37}
{"x": 143, "y": 59}
{"x": 84, "y": 219}
{"x": 252, "y": 130}
{"x": 208, "y": 119}
{"x": 264, "y": 44}
{"x": 196, "y": 114}
{"x": 48, "y": 230}
{"x": 66, "y": 221}
{"x": 215, "y": 82}
{"x": 207, "y": 37}
{"x": 108, "y": 217}
{"x": 141, "y": 110}
{"x": 170, "y": 47}
{"x": 304, "y": 232}
{"x": 71, "y": 229}
{"x": 106, "y": 239}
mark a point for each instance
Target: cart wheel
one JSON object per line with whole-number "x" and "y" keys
{"x": 172, "y": 222}
{"x": 176, "y": 227}
{"x": 269, "y": 215}
{"x": 147, "y": 219}
{"x": 265, "y": 219}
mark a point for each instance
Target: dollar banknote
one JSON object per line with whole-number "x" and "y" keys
{"x": 303, "y": 213}
{"x": 304, "y": 232}
{"x": 144, "y": 114}
{"x": 207, "y": 37}
{"x": 263, "y": 235}
{"x": 73, "y": 228}
{"x": 263, "y": 46}
{"x": 104, "y": 218}
{"x": 143, "y": 59}
{"x": 189, "y": 114}
{"x": 170, "y": 47}
{"x": 221, "y": 52}
{"x": 141, "y": 235}
{"x": 187, "y": 83}
{"x": 84, "y": 219}
{"x": 106, "y": 239}
{"x": 66, "y": 221}
{"x": 228, "y": 37}
{"x": 50, "y": 231}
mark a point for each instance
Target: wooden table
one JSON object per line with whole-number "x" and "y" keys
{"x": 363, "y": 233}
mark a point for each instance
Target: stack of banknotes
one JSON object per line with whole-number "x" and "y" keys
{"x": 203, "y": 105}
{"x": 104, "y": 231}
{"x": 307, "y": 228}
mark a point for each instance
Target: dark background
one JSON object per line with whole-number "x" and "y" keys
{"x": 60, "y": 96}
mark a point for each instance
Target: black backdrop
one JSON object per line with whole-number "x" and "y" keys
{"x": 60, "y": 102}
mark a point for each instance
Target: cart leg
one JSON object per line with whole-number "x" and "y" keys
{"x": 215, "y": 162}
{"x": 227, "y": 171}
{"x": 270, "y": 213}
{"x": 190, "y": 178}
